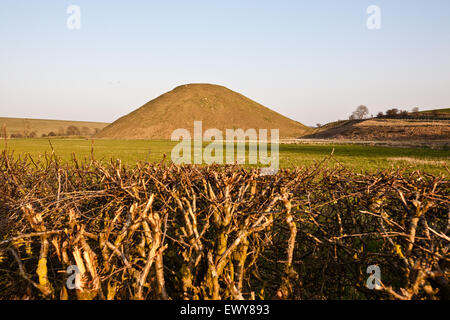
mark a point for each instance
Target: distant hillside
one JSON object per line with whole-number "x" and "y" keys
{"x": 26, "y": 127}
{"x": 384, "y": 129}
{"x": 217, "y": 106}
{"x": 445, "y": 111}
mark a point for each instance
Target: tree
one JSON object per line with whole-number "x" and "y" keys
{"x": 3, "y": 134}
{"x": 435, "y": 114}
{"x": 318, "y": 125}
{"x": 17, "y": 135}
{"x": 85, "y": 131}
{"x": 403, "y": 113}
{"x": 26, "y": 128}
{"x": 361, "y": 112}
{"x": 380, "y": 115}
{"x": 392, "y": 112}
{"x": 73, "y": 131}
{"x": 51, "y": 134}
{"x": 415, "y": 110}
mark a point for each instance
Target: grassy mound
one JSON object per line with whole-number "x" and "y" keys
{"x": 217, "y": 106}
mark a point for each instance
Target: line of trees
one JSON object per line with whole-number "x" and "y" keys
{"x": 414, "y": 114}
{"x": 362, "y": 112}
{"x": 394, "y": 112}
{"x": 73, "y": 131}
{"x": 69, "y": 131}
{"x": 32, "y": 134}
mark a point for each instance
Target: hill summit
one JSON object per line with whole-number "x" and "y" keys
{"x": 217, "y": 106}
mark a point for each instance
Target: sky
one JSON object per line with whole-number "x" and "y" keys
{"x": 312, "y": 61}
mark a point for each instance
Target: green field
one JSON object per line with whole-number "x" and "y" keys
{"x": 356, "y": 157}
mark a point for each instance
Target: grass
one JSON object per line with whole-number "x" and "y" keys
{"x": 366, "y": 158}
{"x": 355, "y": 157}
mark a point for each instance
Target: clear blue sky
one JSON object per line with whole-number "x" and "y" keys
{"x": 314, "y": 61}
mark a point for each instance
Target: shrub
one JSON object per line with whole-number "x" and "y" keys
{"x": 73, "y": 131}
{"x": 85, "y": 131}
{"x": 392, "y": 112}
{"x": 159, "y": 231}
